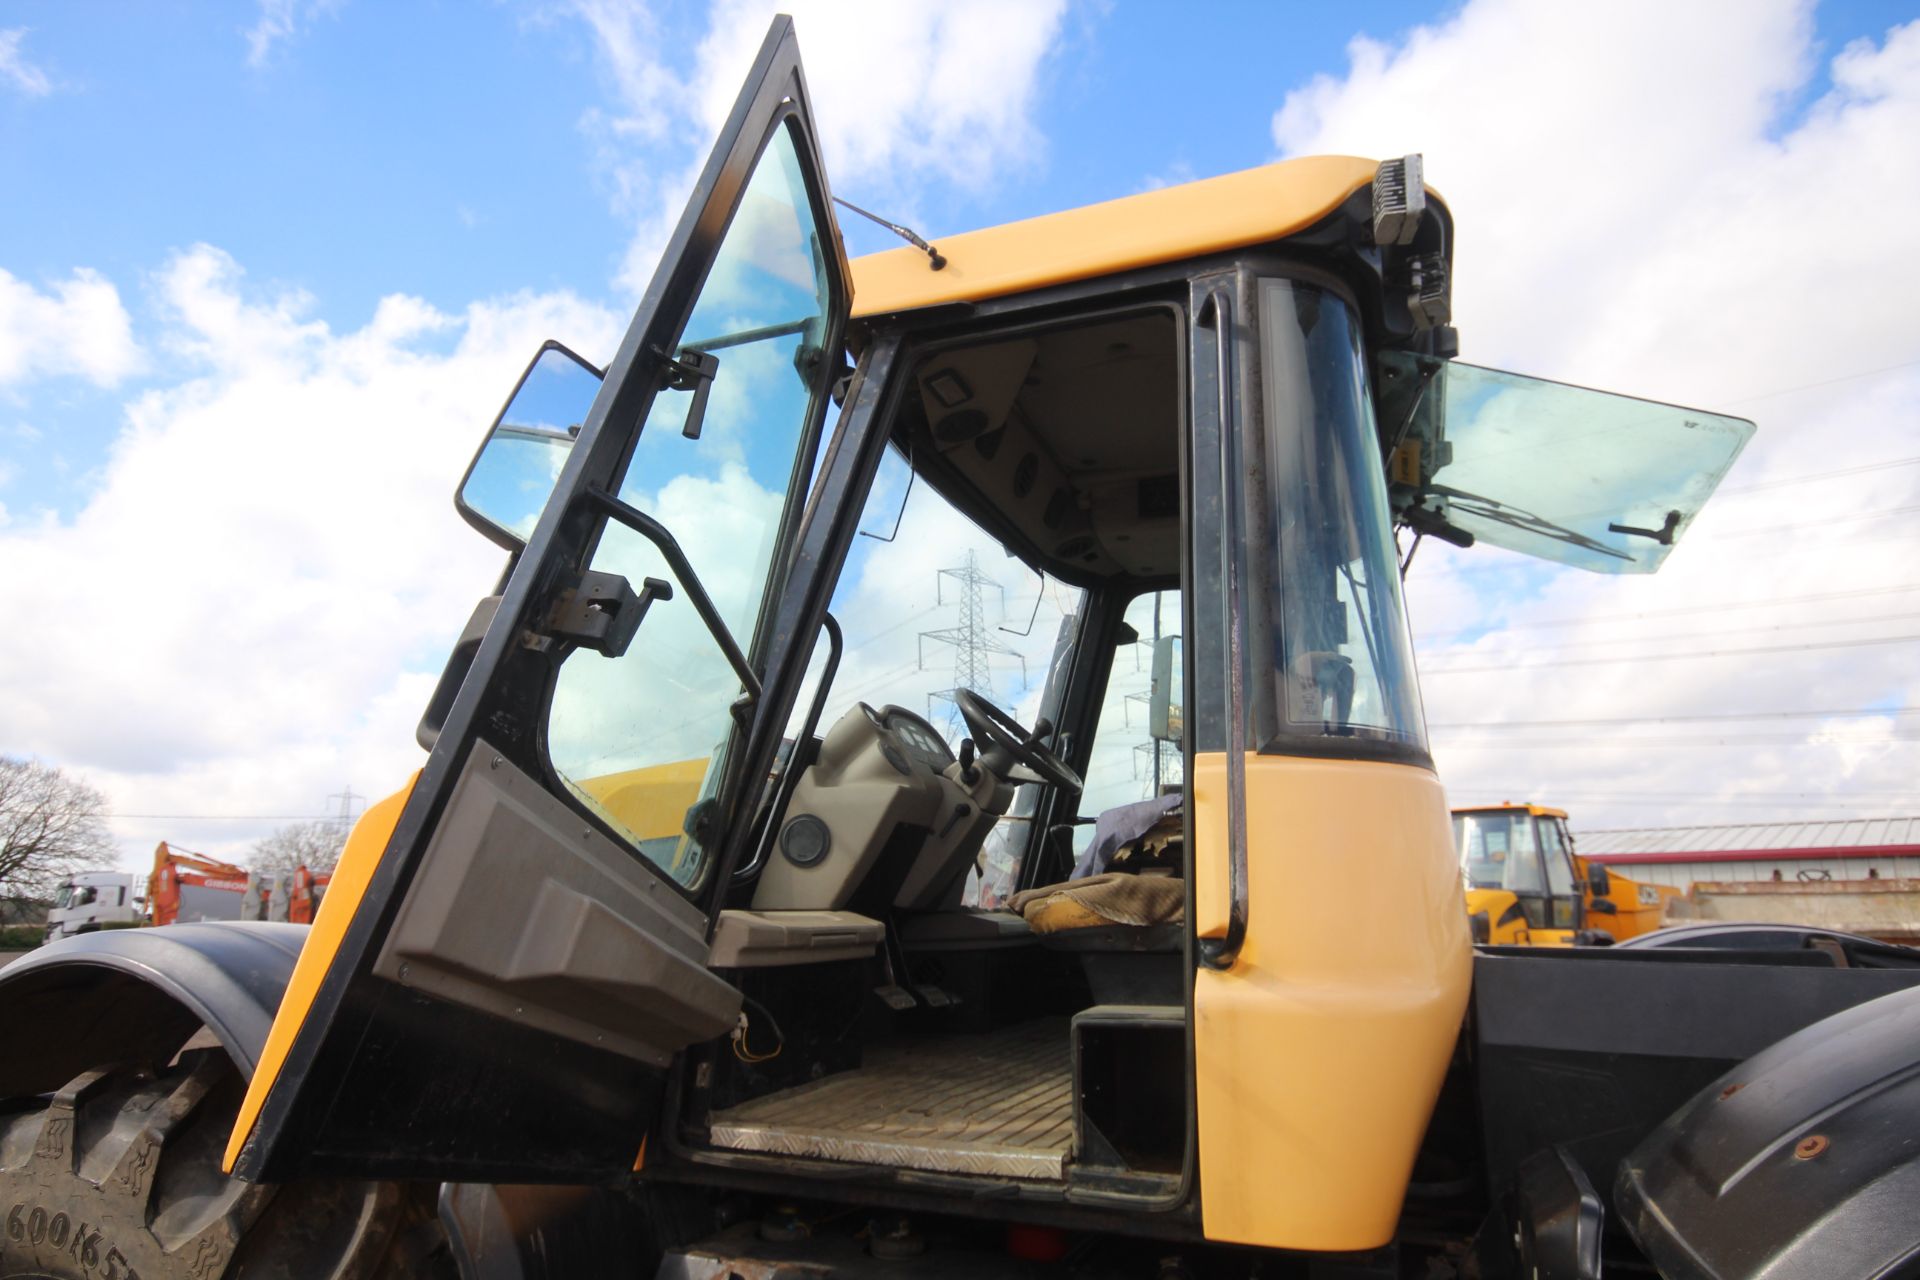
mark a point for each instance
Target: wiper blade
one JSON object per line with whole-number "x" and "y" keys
{"x": 1473, "y": 504}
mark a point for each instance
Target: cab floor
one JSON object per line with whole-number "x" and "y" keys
{"x": 998, "y": 1103}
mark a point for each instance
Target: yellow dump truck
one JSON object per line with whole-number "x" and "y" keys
{"x": 672, "y": 960}
{"x": 1527, "y": 887}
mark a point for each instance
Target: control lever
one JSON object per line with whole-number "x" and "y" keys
{"x": 968, "y": 774}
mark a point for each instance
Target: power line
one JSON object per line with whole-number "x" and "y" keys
{"x": 1879, "y": 808}
{"x": 1810, "y": 624}
{"x": 1742, "y": 740}
{"x": 1665, "y": 657}
{"x": 226, "y": 817}
{"x": 1738, "y": 490}
{"x": 1544, "y": 623}
{"x": 1784, "y": 795}
{"x": 1822, "y": 523}
{"x": 1682, "y": 719}
{"x": 1824, "y": 382}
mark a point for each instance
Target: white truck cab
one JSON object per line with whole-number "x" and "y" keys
{"x": 91, "y": 899}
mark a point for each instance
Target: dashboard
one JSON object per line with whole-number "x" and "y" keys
{"x": 915, "y": 737}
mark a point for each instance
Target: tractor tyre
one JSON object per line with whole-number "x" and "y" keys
{"x": 117, "y": 1177}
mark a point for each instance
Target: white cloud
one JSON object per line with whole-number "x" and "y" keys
{"x": 75, "y": 327}
{"x": 1636, "y": 212}
{"x": 906, "y": 96}
{"x": 279, "y": 21}
{"x": 16, "y": 70}
{"x": 252, "y": 607}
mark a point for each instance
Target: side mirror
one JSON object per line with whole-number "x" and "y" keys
{"x": 509, "y": 481}
{"x": 1599, "y": 884}
{"x": 1166, "y": 712}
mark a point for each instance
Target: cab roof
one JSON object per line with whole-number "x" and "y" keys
{"x": 1255, "y": 206}
{"x": 1512, "y": 806}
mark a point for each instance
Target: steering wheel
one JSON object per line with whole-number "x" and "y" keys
{"x": 1009, "y": 749}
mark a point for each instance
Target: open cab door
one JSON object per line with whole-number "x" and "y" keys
{"x": 495, "y": 990}
{"x": 1599, "y": 481}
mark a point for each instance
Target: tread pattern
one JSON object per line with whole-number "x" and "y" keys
{"x": 117, "y": 1177}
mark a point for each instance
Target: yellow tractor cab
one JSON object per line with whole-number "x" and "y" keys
{"x": 1526, "y": 886}
{"x": 771, "y": 901}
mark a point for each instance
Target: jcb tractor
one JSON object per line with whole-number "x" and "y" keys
{"x": 670, "y": 961}
{"x": 1527, "y": 886}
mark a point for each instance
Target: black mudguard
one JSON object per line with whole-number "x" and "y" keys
{"x": 1802, "y": 1161}
{"x": 128, "y": 995}
{"x": 138, "y": 995}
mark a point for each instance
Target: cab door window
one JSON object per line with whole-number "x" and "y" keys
{"x": 642, "y": 738}
{"x": 1565, "y": 910}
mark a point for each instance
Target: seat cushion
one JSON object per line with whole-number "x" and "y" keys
{"x": 1098, "y": 901}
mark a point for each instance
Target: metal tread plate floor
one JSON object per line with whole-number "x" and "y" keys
{"x": 1000, "y": 1103}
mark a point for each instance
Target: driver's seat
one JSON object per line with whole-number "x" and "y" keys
{"x": 1127, "y": 924}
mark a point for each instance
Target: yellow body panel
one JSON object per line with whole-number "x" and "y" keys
{"x": 350, "y": 878}
{"x": 1215, "y": 214}
{"x": 1506, "y": 926}
{"x": 1318, "y": 1056}
{"x": 1638, "y": 907}
{"x": 652, "y": 802}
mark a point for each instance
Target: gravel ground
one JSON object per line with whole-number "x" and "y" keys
{"x": 8, "y": 957}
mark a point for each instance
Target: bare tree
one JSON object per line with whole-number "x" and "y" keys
{"x": 51, "y": 826}
{"x": 313, "y": 845}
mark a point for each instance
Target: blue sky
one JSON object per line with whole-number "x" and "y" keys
{"x": 438, "y": 150}
{"x": 320, "y": 238}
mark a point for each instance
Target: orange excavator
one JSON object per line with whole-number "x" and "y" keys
{"x": 187, "y": 886}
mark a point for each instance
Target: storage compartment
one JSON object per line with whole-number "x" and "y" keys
{"x": 1129, "y": 1084}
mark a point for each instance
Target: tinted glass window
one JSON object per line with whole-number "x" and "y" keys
{"x": 1344, "y": 663}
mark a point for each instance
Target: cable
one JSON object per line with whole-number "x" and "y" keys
{"x": 740, "y": 1049}
{"x": 1810, "y": 624}
{"x": 1742, "y": 740}
{"x": 1664, "y": 657}
{"x": 1730, "y": 715}
{"x": 1825, "y": 382}
{"x": 1544, "y": 623}
{"x": 1738, "y": 490}
{"x": 1848, "y": 812}
{"x": 1785, "y": 795}
{"x": 1822, "y": 523}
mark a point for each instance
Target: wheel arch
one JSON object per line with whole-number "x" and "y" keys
{"x": 125, "y": 994}
{"x": 1801, "y": 1158}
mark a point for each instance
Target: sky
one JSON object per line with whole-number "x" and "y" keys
{"x": 267, "y": 271}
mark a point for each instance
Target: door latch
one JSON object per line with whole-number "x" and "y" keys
{"x": 693, "y": 371}
{"x": 601, "y": 611}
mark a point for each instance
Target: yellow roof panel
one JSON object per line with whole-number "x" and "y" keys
{"x": 1215, "y": 214}
{"x": 1537, "y": 810}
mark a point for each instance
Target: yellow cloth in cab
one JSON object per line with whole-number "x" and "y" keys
{"x": 1098, "y": 901}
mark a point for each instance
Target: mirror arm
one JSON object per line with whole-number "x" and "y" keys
{"x": 656, "y": 533}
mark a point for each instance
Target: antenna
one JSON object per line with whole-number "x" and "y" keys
{"x": 935, "y": 259}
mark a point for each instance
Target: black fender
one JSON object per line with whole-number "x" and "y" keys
{"x": 138, "y": 995}
{"x": 1804, "y": 1160}
{"x": 120, "y": 995}
{"x": 1844, "y": 950}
